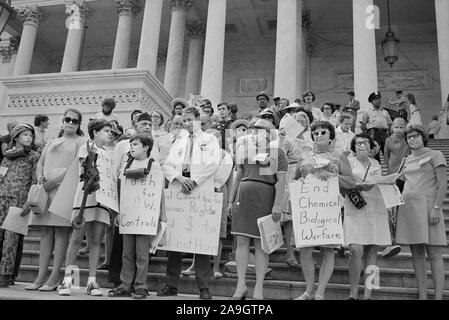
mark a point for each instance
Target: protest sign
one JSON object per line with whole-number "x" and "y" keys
{"x": 107, "y": 194}
{"x": 270, "y": 234}
{"x": 316, "y": 212}
{"x": 193, "y": 220}
{"x": 140, "y": 203}
{"x": 391, "y": 194}
{"x": 291, "y": 127}
{"x": 14, "y": 222}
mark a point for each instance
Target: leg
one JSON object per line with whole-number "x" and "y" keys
{"x": 18, "y": 256}
{"x": 370, "y": 261}
{"x": 191, "y": 269}
{"x": 308, "y": 269}
{"x": 95, "y": 233}
{"x": 261, "y": 267}
{"x": 202, "y": 271}
{"x": 217, "y": 258}
{"x": 355, "y": 268}
{"x": 419, "y": 264}
{"x": 61, "y": 243}
{"x": 128, "y": 261}
{"x": 174, "y": 265}
{"x": 437, "y": 265}
{"x": 241, "y": 260}
{"x": 9, "y": 252}
{"x": 142, "y": 259}
{"x": 326, "y": 270}
{"x": 108, "y": 245}
{"x": 115, "y": 265}
{"x": 46, "y": 246}
{"x": 75, "y": 243}
{"x": 290, "y": 256}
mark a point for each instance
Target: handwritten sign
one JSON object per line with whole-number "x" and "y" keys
{"x": 316, "y": 212}
{"x": 193, "y": 220}
{"x": 391, "y": 194}
{"x": 291, "y": 127}
{"x": 270, "y": 234}
{"x": 107, "y": 194}
{"x": 14, "y": 222}
{"x": 140, "y": 203}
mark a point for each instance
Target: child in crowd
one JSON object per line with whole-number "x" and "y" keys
{"x": 17, "y": 174}
{"x": 136, "y": 247}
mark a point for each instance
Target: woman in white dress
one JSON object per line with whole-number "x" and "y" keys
{"x": 415, "y": 116}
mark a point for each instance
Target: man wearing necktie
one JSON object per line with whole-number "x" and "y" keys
{"x": 193, "y": 159}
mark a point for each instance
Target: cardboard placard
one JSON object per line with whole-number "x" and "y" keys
{"x": 14, "y": 222}
{"x": 291, "y": 127}
{"x": 107, "y": 194}
{"x": 316, "y": 212}
{"x": 270, "y": 234}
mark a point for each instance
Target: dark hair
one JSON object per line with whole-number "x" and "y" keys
{"x": 110, "y": 102}
{"x": 232, "y": 106}
{"x": 307, "y": 92}
{"x": 162, "y": 117}
{"x": 80, "y": 117}
{"x": 412, "y": 98}
{"x": 308, "y": 113}
{"x": 134, "y": 112}
{"x": 208, "y": 107}
{"x": 38, "y": 119}
{"x": 206, "y": 101}
{"x": 193, "y": 111}
{"x": 418, "y": 129}
{"x": 223, "y": 104}
{"x": 399, "y": 91}
{"x": 97, "y": 125}
{"x": 145, "y": 140}
{"x": 351, "y": 93}
{"x": 298, "y": 100}
{"x": 362, "y": 136}
{"x": 330, "y": 104}
{"x": 325, "y": 125}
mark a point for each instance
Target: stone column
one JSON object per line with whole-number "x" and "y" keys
{"x": 175, "y": 45}
{"x": 126, "y": 9}
{"x": 305, "y": 54}
{"x": 149, "y": 39}
{"x": 289, "y": 47}
{"x": 76, "y": 21}
{"x": 442, "y": 21}
{"x": 31, "y": 17}
{"x": 365, "y": 62}
{"x": 212, "y": 80}
{"x": 196, "y": 32}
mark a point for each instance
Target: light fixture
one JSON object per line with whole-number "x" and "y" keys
{"x": 6, "y": 13}
{"x": 390, "y": 44}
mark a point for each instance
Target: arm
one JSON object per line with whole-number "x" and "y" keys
{"x": 387, "y": 154}
{"x": 163, "y": 216}
{"x": 280, "y": 190}
{"x": 441, "y": 175}
{"x": 4, "y": 146}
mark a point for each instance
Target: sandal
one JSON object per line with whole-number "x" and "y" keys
{"x": 292, "y": 262}
{"x": 305, "y": 296}
{"x": 119, "y": 292}
{"x": 140, "y": 293}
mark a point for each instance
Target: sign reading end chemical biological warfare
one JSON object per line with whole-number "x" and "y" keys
{"x": 140, "y": 203}
{"x": 316, "y": 212}
{"x": 193, "y": 220}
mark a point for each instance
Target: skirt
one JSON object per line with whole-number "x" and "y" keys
{"x": 255, "y": 200}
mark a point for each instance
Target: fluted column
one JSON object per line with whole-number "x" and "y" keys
{"x": 149, "y": 39}
{"x": 175, "y": 45}
{"x": 442, "y": 21}
{"x": 126, "y": 10}
{"x": 196, "y": 32}
{"x": 212, "y": 79}
{"x": 365, "y": 61}
{"x": 31, "y": 17}
{"x": 76, "y": 21}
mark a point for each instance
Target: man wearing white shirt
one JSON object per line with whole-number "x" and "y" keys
{"x": 344, "y": 135}
{"x": 193, "y": 159}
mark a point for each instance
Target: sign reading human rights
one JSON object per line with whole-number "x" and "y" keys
{"x": 140, "y": 203}
{"x": 107, "y": 194}
{"x": 193, "y": 221}
{"x": 316, "y": 212}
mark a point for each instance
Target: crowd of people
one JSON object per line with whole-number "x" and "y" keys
{"x": 329, "y": 144}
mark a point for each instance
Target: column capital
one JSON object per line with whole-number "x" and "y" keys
{"x": 307, "y": 19}
{"x": 180, "y": 4}
{"x": 78, "y": 10}
{"x": 31, "y": 14}
{"x": 131, "y": 7}
{"x": 196, "y": 30}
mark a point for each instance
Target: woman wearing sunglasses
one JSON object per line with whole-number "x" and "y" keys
{"x": 420, "y": 220}
{"x": 56, "y": 159}
{"x": 323, "y": 163}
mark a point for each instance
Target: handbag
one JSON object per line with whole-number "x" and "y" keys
{"x": 356, "y": 197}
{"x": 37, "y": 199}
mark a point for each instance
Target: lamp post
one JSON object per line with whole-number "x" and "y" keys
{"x": 390, "y": 44}
{"x": 6, "y": 13}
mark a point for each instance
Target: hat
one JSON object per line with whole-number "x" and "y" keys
{"x": 144, "y": 117}
{"x": 263, "y": 94}
{"x": 18, "y": 129}
{"x": 373, "y": 96}
{"x": 264, "y": 124}
{"x": 179, "y": 101}
{"x": 294, "y": 105}
{"x": 271, "y": 113}
{"x": 239, "y": 123}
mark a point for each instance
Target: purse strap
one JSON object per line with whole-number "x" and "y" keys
{"x": 366, "y": 173}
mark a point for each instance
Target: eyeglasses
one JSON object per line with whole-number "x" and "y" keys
{"x": 413, "y": 136}
{"x": 362, "y": 143}
{"x": 320, "y": 133}
{"x": 71, "y": 120}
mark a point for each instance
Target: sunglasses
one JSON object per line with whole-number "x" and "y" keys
{"x": 413, "y": 136}
{"x": 71, "y": 120}
{"x": 320, "y": 133}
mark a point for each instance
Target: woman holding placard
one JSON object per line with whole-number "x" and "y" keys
{"x": 420, "y": 219}
{"x": 259, "y": 186}
{"x": 17, "y": 174}
{"x": 96, "y": 216}
{"x": 366, "y": 228}
{"x": 323, "y": 163}
{"x": 54, "y": 163}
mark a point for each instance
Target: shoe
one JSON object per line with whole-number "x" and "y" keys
{"x": 66, "y": 289}
{"x": 140, "y": 293}
{"x": 218, "y": 275}
{"x": 34, "y": 287}
{"x": 305, "y": 296}
{"x": 103, "y": 266}
{"x": 188, "y": 272}
{"x": 292, "y": 262}
{"x": 48, "y": 288}
{"x": 84, "y": 250}
{"x": 242, "y": 297}
{"x": 12, "y": 281}
{"x": 391, "y": 251}
{"x": 4, "y": 281}
{"x": 168, "y": 291}
{"x": 318, "y": 297}
{"x": 119, "y": 292}
{"x": 205, "y": 294}
{"x": 351, "y": 298}
{"x": 93, "y": 289}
